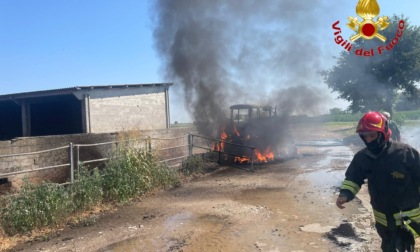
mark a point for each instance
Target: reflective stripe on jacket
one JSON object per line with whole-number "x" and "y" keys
{"x": 413, "y": 215}
{"x": 409, "y": 220}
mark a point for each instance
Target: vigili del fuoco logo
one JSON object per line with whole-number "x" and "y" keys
{"x": 368, "y": 28}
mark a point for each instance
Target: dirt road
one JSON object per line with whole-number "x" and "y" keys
{"x": 283, "y": 206}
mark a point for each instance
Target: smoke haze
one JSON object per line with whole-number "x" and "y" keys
{"x": 229, "y": 52}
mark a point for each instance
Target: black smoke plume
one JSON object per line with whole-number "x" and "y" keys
{"x": 225, "y": 52}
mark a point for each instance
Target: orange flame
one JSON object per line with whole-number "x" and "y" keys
{"x": 262, "y": 157}
{"x": 265, "y": 156}
{"x": 236, "y": 131}
{"x": 242, "y": 160}
{"x": 223, "y": 136}
{"x": 220, "y": 146}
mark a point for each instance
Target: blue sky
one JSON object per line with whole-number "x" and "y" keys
{"x": 55, "y": 44}
{"x": 49, "y": 44}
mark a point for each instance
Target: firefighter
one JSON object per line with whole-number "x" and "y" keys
{"x": 392, "y": 170}
{"x": 396, "y": 134}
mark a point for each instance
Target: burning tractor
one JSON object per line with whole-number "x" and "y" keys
{"x": 255, "y": 134}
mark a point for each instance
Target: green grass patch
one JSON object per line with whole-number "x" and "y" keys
{"x": 399, "y": 117}
{"x": 412, "y": 123}
{"x": 129, "y": 174}
{"x": 345, "y": 118}
{"x": 340, "y": 125}
{"x": 193, "y": 164}
{"x": 87, "y": 191}
{"x": 135, "y": 172}
{"x": 35, "y": 207}
{"x": 408, "y": 115}
{"x": 182, "y": 125}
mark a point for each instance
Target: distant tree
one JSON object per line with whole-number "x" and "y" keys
{"x": 371, "y": 83}
{"x": 337, "y": 111}
{"x": 406, "y": 104}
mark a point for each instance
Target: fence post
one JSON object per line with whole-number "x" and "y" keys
{"x": 190, "y": 144}
{"x": 78, "y": 157}
{"x": 220, "y": 152}
{"x": 252, "y": 158}
{"x": 149, "y": 143}
{"x": 71, "y": 162}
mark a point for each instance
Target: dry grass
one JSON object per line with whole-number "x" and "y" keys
{"x": 44, "y": 234}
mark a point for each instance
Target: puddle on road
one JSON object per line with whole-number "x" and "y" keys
{"x": 324, "y": 179}
{"x": 330, "y": 157}
{"x": 270, "y": 198}
{"x": 327, "y": 173}
{"x": 170, "y": 225}
{"x": 174, "y": 221}
{"x": 323, "y": 142}
{"x": 183, "y": 232}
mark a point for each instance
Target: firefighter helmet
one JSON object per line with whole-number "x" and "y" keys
{"x": 374, "y": 121}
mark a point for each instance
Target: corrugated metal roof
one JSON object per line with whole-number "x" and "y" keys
{"x": 69, "y": 90}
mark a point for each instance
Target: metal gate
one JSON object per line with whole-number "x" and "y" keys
{"x": 222, "y": 152}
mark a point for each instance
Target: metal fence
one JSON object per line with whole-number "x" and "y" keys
{"x": 9, "y": 159}
{"x": 222, "y": 152}
{"x": 170, "y": 151}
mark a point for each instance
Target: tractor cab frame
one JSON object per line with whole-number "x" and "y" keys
{"x": 246, "y": 112}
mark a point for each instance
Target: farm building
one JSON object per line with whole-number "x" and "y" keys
{"x": 45, "y": 135}
{"x": 87, "y": 109}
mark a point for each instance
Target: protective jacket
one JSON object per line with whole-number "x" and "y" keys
{"x": 393, "y": 178}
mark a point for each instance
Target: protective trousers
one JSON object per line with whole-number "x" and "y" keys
{"x": 395, "y": 239}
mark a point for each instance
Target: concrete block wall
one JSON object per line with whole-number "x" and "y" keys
{"x": 163, "y": 138}
{"x": 43, "y": 159}
{"x": 169, "y": 145}
{"x": 145, "y": 112}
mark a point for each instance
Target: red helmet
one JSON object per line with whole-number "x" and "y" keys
{"x": 374, "y": 121}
